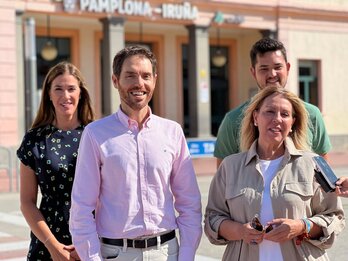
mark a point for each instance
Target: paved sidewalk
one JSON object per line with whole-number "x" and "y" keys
{"x": 338, "y": 159}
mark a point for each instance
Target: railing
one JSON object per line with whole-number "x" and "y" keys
{"x": 9, "y": 165}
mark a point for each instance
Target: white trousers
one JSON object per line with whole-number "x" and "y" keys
{"x": 167, "y": 251}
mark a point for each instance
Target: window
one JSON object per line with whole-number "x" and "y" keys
{"x": 63, "y": 46}
{"x": 308, "y": 81}
{"x": 219, "y": 91}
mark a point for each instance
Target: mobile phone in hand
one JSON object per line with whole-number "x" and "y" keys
{"x": 324, "y": 174}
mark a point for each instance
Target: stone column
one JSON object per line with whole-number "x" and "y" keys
{"x": 31, "y": 92}
{"x": 113, "y": 41}
{"x": 20, "y": 75}
{"x": 199, "y": 81}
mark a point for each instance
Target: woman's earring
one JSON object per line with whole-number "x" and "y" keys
{"x": 255, "y": 123}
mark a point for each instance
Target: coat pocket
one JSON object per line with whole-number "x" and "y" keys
{"x": 244, "y": 202}
{"x": 303, "y": 189}
{"x": 296, "y": 198}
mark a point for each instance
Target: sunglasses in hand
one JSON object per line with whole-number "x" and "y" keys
{"x": 256, "y": 224}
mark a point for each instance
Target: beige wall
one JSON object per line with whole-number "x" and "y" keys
{"x": 8, "y": 69}
{"x": 334, "y": 64}
{"x": 320, "y": 3}
{"x": 325, "y": 40}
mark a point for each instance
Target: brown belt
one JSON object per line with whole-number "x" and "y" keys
{"x": 139, "y": 243}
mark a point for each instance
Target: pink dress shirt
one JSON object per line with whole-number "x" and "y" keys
{"x": 134, "y": 180}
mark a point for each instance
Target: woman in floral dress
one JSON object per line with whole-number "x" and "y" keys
{"x": 48, "y": 156}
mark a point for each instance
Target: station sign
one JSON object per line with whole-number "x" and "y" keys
{"x": 179, "y": 11}
{"x": 201, "y": 147}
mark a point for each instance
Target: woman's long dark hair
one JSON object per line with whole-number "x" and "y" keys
{"x": 46, "y": 113}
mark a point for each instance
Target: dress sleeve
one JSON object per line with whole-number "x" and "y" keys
{"x": 26, "y": 151}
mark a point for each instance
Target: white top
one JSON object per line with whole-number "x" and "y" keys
{"x": 268, "y": 250}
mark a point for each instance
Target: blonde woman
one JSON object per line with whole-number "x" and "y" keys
{"x": 273, "y": 178}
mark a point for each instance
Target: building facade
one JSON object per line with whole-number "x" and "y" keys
{"x": 202, "y": 47}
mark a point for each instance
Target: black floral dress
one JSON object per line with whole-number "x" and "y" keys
{"x": 52, "y": 154}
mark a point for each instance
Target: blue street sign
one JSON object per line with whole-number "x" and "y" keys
{"x": 201, "y": 147}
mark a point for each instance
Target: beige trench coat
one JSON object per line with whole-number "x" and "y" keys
{"x": 236, "y": 193}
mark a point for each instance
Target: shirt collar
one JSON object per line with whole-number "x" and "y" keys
{"x": 149, "y": 120}
{"x": 290, "y": 149}
{"x": 128, "y": 122}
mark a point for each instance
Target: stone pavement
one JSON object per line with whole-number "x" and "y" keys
{"x": 14, "y": 232}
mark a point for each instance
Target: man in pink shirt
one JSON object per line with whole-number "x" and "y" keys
{"x": 134, "y": 169}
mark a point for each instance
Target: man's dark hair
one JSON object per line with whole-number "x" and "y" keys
{"x": 265, "y": 45}
{"x": 126, "y": 52}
